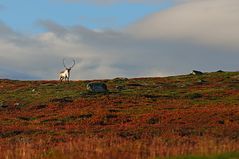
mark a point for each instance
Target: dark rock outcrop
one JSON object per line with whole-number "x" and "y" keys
{"x": 97, "y": 87}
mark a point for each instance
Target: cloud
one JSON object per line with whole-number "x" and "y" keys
{"x": 6, "y": 31}
{"x": 207, "y": 22}
{"x": 6, "y": 73}
{"x": 166, "y": 43}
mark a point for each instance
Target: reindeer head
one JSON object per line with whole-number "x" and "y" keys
{"x": 69, "y": 68}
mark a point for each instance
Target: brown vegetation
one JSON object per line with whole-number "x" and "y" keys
{"x": 148, "y": 118}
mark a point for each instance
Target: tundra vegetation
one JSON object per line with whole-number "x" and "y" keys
{"x": 180, "y": 117}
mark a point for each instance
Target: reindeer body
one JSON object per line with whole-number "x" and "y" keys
{"x": 65, "y": 75}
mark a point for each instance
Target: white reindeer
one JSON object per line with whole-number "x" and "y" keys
{"x": 65, "y": 75}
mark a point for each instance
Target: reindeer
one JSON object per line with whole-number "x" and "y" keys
{"x": 65, "y": 75}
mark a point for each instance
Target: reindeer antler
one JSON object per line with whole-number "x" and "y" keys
{"x": 74, "y": 62}
{"x": 64, "y": 63}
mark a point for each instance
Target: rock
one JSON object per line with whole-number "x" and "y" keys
{"x": 97, "y": 87}
{"x": 201, "y": 81}
{"x": 182, "y": 85}
{"x": 195, "y": 72}
{"x": 16, "y": 104}
{"x": 220, "y": 71}
{"x": 120, "y": 79}
{"x": 3, "y": 105}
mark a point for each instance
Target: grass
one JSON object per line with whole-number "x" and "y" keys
{"x": 117, "y": 148}
{"x": 147, "y": 118}
{"x": 232, "y": 155}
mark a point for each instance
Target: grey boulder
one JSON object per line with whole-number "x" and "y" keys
{"x": 97, "y": 87}
{"x": 195, "y": 72}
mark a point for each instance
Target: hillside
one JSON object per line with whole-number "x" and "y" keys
{"x": 145, "y": 118}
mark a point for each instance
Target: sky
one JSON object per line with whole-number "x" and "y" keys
{"x": 117, "y": 38}
{"x": 24, "y": 16}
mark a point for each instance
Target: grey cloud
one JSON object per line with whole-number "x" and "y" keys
{"x": 127, "y": 55}
{"x": 5, "y": 31}
{"x": 14, "y": 37}
{"x": 6, "y": 73}
{"x": 52, "y": 26}
{"x": 207, "y": 22}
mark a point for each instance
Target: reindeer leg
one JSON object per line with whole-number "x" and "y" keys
{"x": 61, "y": 79}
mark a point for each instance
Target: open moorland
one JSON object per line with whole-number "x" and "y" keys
{"x": 189, "y": 115}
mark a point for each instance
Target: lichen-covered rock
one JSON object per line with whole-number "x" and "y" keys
{"x": 220, "y": 71}
{"x": 3, "y": 105}
{"x": 97, "y": 87}
{"x": 195, "y": 72}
